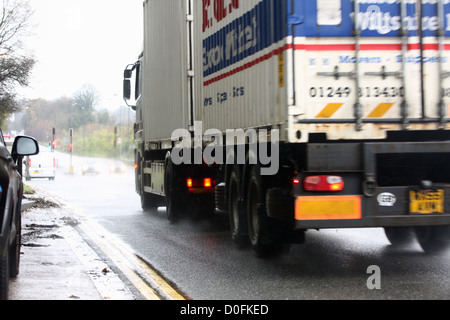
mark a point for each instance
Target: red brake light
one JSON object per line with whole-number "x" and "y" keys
{"x": 323, "y": 183}
{"x": 207, "y": 183}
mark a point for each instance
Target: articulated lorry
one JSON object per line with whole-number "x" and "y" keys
{"x": 290, "y": 115}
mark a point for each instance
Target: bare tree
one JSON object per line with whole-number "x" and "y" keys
{"x": 15, "y": 63}
{"x": 85, "y": 100}
{"x": 14, "y": 24}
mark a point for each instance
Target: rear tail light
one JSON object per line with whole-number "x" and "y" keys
{"x": 206, "y": 183}
{"x": 323, "y": 183}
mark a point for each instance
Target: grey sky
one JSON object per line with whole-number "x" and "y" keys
{"x": 83, "y": 41}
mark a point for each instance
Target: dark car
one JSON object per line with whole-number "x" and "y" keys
{"x": 11, "y": 192}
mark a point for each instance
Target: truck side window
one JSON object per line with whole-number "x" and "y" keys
{"x": 138, "y": 89}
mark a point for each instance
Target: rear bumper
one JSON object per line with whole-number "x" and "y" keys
{"x": 42, "y": 174}
{"x": 389, "y": 207}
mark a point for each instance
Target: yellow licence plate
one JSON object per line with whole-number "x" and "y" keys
{"x": 36, "y": 172}
{"x": 426, "y": 201}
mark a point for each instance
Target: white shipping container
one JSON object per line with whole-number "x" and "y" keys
{"x": 242, "y": 57}
{"x": 384, "y": 70}
{"x": 349, "y": 70}
{"x": 164, "y": 93}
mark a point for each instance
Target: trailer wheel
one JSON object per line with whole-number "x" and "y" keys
{"x": 433, "y": 239}
{"x": 400, "y": 236}
{"x": 238, "y": 218}
{"x": 261, "y": 229}
{"x": 175, "y": 199}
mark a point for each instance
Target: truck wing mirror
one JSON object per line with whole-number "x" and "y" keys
{"x": 127, "y": 74}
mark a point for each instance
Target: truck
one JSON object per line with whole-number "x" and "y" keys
{"x": 294, "y": 115}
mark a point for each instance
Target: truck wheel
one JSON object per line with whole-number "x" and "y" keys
{"x": 261, "y": 229}
{"x": 149, "y": 201}
{"x": 138, "y": 174}
{"x": 175, "y": 201}
{"x": 4, "y": 275}
{"x": 238, "y": 218}
{"x": 172, "y": 206}
{"x": 399, "y": 236}
{"x": 433, "y": 239}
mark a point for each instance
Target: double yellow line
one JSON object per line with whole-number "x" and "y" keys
{"x": 146, "y": 280}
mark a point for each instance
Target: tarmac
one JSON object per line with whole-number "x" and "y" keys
{"x": 57, "y": 262}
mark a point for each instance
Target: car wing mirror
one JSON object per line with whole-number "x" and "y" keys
{"x": 24, "y": 146}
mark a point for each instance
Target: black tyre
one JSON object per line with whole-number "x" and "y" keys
{"x": 237, "y": 214}
{"x": 14, "y": 261}
{"x": 138, "y": 174}
{"x": 4, "y": 275}
{"x": 262, "y": 230}
{"x": 149, "y": 201}
{"x": 400, "y": 236}
{"x": 433, "y": 239}
{"x": 176, "y": 200}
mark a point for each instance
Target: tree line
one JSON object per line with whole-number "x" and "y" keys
{"x": 95, "y": 132}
